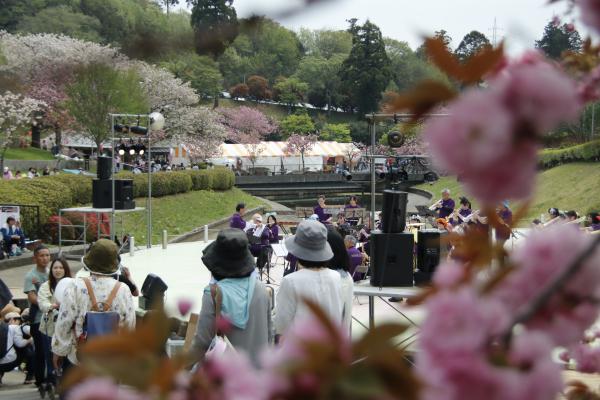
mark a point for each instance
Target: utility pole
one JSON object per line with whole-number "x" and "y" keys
{"x": 495, "y": 29}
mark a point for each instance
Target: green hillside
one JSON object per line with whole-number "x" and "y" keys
{"x": 29, "y": 153}
{"x": 573, "y": 186}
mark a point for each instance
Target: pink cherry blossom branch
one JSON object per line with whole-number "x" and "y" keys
{"x": 530, "y": 309}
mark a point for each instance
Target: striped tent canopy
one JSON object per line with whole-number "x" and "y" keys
{"x": 277, "y": 149}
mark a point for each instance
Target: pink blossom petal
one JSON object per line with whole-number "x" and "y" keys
{"x": 184, "y": 306}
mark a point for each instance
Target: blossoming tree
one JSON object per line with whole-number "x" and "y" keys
{"x": 15, "y": 112}
{"x": 300, "y": 144}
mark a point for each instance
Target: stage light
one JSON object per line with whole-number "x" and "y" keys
{"x": 157, "y": 121}
{"x": 140, "y": 148}
{"x": 139, "y": 130}
{"x": 131, "y": 151}
{"x": 121, "y": 128}
{"x": 121, "y": 148}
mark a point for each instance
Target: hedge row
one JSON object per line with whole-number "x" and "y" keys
{"x": 589, "y": 151}
{"x": 51, "y": 193}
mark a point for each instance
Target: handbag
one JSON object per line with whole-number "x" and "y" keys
{"x": 220, "y": 343}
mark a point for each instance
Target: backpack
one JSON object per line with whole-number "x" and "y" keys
{"x": 99, "y": 321}
{"x": 4, "y": 349}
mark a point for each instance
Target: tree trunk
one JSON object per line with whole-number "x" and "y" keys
{"x": 58, "y": 137}
{"x": 35, "y": 135}
{"x": 303, "y": 168}
{"x": 2, "y": 152}
{"x": 328, "y": 103}
{"x": 216, "y": 101}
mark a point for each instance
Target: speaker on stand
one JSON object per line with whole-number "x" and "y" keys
{"x": 431, "y": 251}
{"x": 392, "y": 249}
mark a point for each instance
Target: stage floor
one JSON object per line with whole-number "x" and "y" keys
{"x": 181, "y": 267}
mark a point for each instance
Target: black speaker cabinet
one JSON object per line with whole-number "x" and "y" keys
{"x": 104, "y": 167}
{"x": 393, "y": 215}
{"x": 153, "y": 292}
{"x": 431, "y": 250}
{"x": 102, "y": 194}
{"x": 392, "y": 259}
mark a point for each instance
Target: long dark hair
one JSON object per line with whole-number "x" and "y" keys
{"x": 340, "y": 259}
{"x": 274, "y": 219}
{"x": 51, "y": 277}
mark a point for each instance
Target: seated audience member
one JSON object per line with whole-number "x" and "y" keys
{"x": 312, "y": 281}
{"x": 242, "y": 297}
{"x": 14, "y": 238}
{"x": 536, "y": 224}
{"x": 17, "y": 342}
{"x": 236, "y": 220}
{"x": 320, "y": 211}
{"x": 341, "y": 264}
{"x": 355, "y": 256}
{"x": 274, "y": 228}
{"x": 7, "y": 174}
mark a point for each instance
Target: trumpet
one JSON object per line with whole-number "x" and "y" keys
{"x": 436, "y": 205}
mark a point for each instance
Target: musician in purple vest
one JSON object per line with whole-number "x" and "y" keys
{"x": 320, "y": 211}
{"x": 352, "y": 204}
{"x": 356, "y": 256}
{"x": 236, "y": 220}
{"x": 444, "y": 206}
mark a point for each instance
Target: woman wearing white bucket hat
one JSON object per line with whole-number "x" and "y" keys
{"x": 313, "y": 281}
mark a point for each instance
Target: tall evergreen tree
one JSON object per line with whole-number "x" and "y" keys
{"x": 558, "y": 39}
{"x": 367, "y": 71}
{"x": 472, "y": 43}
{"x": 215, "y": 25}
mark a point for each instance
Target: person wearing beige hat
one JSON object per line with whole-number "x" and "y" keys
{"x": 313, "y": 280}
{"x": 102, "y": 263}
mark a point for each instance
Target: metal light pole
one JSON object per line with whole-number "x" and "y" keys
{"x": 149, "y": 199}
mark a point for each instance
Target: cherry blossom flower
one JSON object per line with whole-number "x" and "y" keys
{"x": 103, "y": 389}
{"x": 544, "y": 255}
{"x": 448, "y": 274}
{"x": 184, "y": 306}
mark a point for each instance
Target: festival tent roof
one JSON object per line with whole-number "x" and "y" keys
{"x": 277, "y": 149}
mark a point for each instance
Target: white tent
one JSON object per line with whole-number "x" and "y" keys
{"x": 272, "y": 155}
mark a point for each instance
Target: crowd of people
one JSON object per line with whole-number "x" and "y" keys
{"x": 31, "y": 173}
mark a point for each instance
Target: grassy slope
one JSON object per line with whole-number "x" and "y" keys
{"x": 183, "y": 212}
{"x": 573, "y": 186}
{"x": 279, "y": 112}
{"x": 30, "y": 153}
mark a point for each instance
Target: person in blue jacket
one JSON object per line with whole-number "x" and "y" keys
{"x": 13, "y": 235}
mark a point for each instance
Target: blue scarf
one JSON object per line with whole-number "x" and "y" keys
{"x": 236, "y": 296}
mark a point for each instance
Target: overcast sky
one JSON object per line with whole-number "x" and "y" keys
{"x": 519, "y": 22}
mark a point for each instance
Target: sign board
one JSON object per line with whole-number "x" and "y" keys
{"x": 9, "y": 211}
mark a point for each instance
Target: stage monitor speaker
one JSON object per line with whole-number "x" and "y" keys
{"x": 393, "y": 215}
{"x": 431, "y": 250}
{"x": 102, "y": 194}
{"x": 104, "y": 167}
{"x": 392, "y": 259}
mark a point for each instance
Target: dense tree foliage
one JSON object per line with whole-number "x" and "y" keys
{"x": 558, "y": 39}
{"x": 325, "y": 43}
{"x": 367, "y": 71}
{"x": 201, "y": 72}
{"x": 472, "y": 43}
{"x": 290, "y": 91}
{"x": 62, "y": 20}
{"x": 98, "y": 90}
{"x": 336, "y": 132}
{"x": 298, "y": 123}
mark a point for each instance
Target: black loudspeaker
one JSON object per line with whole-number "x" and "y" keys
{"x": 431, "y": 250}
{"x": 393, "y": 215}
{"x": 153, "y": 292}
{"x": 102, "y": 194}
{"x": 392, "y": 259}
{"x": 104, "y": 167}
